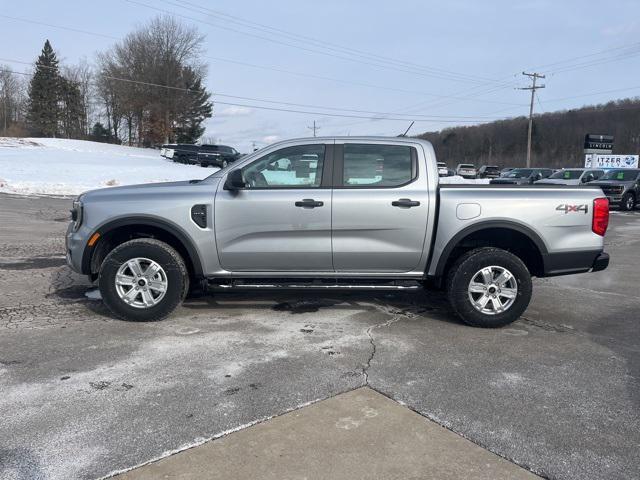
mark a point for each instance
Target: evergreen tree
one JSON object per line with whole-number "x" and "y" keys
{"x": 71, "y": 107}
{"x": 43, "y": 110}
{"x": 196, "y": 108}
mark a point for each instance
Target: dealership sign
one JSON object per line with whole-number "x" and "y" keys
{"x": 593, "y": 160}
{"x": 602, "y": 144}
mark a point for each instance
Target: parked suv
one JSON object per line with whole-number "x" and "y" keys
{"x": 467, "y": 170}
{"x": 489, "y": 171}
{"x": 443, "y": 171}
{"x": 522, "y": 176}
{"x": 621, "y": 186}
{"x": 217, "y": 155}
{"x": 571, "y": 176}
{"x": 184, "y": 153}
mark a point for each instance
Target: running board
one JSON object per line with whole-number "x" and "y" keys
{"x": 314, "y": 285}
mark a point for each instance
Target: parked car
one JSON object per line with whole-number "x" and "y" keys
{"x": 443, "y": 171}
{"x": 506, "y": 170}
{"x": 467, "y": 170}
{"x": 522, "y": 176}
{"x": 571, "y": 176}
{"x": 216, "y": 155}
{"x": 184, "y": 153}
{"x": 489, "y": 171}
{"x": 621, "y": 186}
{"x": 393, "y": 227}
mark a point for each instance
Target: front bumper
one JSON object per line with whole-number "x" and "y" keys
{"x": 75, "y": 244}
{"x": 615, "y": 199}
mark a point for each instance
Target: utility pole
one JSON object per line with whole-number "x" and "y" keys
{"x": 534, "y": 76}
{"x": 314, "y": 128}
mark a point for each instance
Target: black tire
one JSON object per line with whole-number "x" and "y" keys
{"x": 166, "y": 256}
{"x": 466, "y": 267}
{"x": 628, "y": 202}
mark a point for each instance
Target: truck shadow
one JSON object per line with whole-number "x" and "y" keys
{"x": 430, "y": 305}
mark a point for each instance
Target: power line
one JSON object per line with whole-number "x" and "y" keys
{"x": 297, "y": 46}
{"x": 262, "y": 107}
{"x": 304, "y": 105}
{"x": 269, "y": 68}
{"x": 319, "y": 43}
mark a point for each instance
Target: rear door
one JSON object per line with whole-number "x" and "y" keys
{"x": 380, "y": 206}
{"x": 281, "y": 221}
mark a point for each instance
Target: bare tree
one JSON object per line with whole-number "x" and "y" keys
{"x": 82, "y": 75}
{"x": 146, "y": 80}
{"x": 13, "y": 97}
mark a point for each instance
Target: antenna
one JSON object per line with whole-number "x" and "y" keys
{"x": 407, "y": 130}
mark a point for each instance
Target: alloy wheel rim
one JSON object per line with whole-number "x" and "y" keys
{"x": 141, "y": 282}
{"x": 629, "y": 203}
{"x": 492, "y": 290}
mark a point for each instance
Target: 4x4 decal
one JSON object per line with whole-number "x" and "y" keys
{"x": 566, "y": 208}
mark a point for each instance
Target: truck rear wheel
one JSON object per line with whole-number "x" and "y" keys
{"x": 489, "y": 287}
{"x": 143, "y": 280}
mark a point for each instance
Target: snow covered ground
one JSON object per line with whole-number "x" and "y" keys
{"x": 459, "y": 179}
{"x": 56, "y": 166}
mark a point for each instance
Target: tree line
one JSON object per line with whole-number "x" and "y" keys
{"x": 557, "y": 137}
{"x": 145, "y": 90}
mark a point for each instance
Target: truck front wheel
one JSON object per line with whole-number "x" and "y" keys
{"x": 489, "y": 287}
{"x": 143, "y": 280}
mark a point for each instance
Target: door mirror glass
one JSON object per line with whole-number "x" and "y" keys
{"x": 235, "y": 181}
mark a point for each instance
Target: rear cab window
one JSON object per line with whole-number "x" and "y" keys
{"x": 378, "y": 166}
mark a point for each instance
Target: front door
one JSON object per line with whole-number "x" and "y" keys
{"x": 281, "y": 221}
{"x": 380, "y": 207}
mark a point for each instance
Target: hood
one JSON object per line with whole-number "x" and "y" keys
{"x": 149, "y": 188}
{"x": 611, "y": 182}
{"x": 510, "y": 181}
{"x": 557, "y": 181}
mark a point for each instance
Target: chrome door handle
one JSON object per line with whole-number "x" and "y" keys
{"x": 405, "y": 203}
{"x": 309, "y": 203}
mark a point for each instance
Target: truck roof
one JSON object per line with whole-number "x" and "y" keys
{"x": 363, "y": 138}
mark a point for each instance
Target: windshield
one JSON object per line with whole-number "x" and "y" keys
{"x": 567, "y": 174}
{"x": 518, "y": 173}
{"x": 622, "y": 175}
{"x": 491, "y": 169}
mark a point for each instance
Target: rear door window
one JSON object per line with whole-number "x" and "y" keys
{"x": 378, "y": 166}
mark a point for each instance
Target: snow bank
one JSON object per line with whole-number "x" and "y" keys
{"x": 56, "y": 166}
{"x": 458, "y": 179}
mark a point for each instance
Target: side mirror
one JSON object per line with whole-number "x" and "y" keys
{"x": 235, "y": 181}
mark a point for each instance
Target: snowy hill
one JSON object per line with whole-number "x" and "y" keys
{"x": 55, "y": 166}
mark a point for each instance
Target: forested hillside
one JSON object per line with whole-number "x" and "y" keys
{"x": 558, "y": 137}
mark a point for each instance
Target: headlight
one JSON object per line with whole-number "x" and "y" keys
{"x": 76, "y": 213}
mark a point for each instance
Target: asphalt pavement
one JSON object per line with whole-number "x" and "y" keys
{"x": 86, "y": 396}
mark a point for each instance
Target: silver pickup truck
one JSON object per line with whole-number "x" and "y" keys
{"x": 335, "y": 213}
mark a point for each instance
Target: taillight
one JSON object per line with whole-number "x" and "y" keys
{"x": 600, "y": 220}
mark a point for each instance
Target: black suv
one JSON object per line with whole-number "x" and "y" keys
{"x": 522, "y": 176}
{"x": 489, "y": 171}
{"x": 183, "y": 152}
{"x": 621, "y": 186}
{"x": 217, "y": 155}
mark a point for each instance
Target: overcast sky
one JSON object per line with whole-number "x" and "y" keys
{"x": 406, "y": 58}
